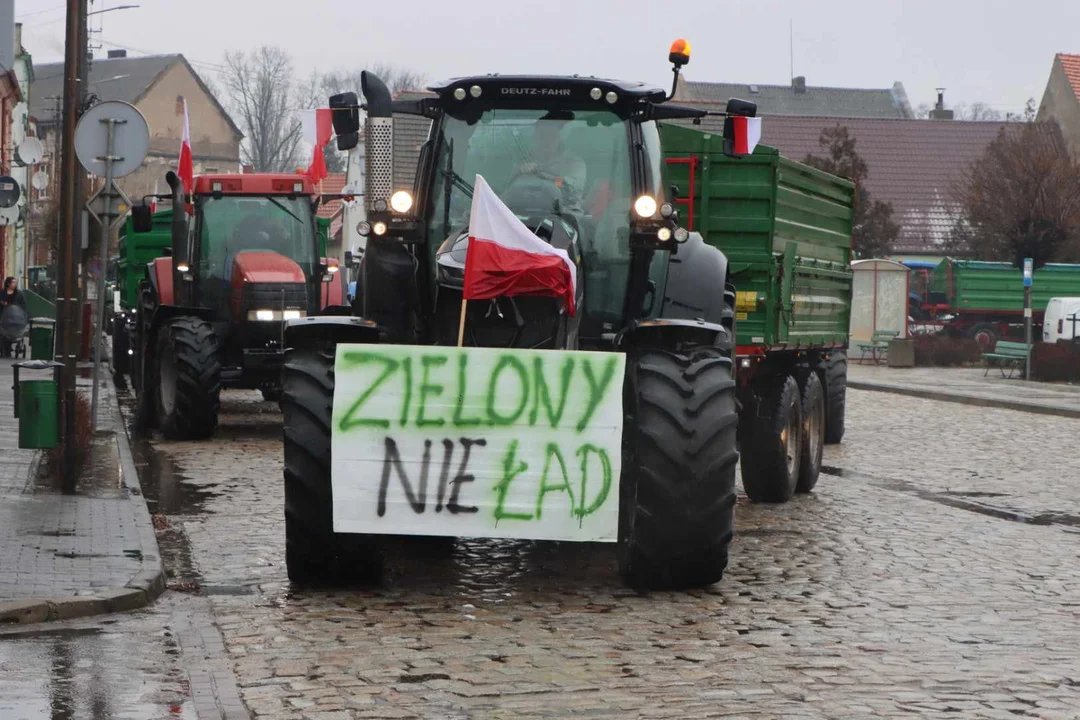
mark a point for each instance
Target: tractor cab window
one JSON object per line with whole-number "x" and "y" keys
{"x": 233, "y": 224}
{"x": 573, "y": 164}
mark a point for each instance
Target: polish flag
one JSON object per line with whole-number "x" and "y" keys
{"x": 318, "y": 127}
{"x": 184, "y": 168}
{"x": 153, "y": 200}
{"x": 506, "y": 259}
{"x": 747, "y": 133}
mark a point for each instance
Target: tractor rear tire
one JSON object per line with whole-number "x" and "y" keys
{"x": 772, "y": 444}
{"x": 314, "y": 554}
{"x": 835, "y": 396}
{"x": 677, "y": 492}
{"x": 188, "y": 379}
{"x": 121, "y": 343}
{"x": 812, "y": 400}
{"x": 986, "y": 334}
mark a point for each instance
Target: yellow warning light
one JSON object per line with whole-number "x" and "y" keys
{"x": 680, "y": 52}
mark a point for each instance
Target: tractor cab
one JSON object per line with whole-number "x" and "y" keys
{"x": 577, "y": 159}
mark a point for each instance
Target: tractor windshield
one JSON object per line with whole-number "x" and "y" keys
{"x": 574, "y": 164}
{"x": 233, "y": 224}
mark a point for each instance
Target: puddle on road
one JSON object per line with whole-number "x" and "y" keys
{"x": 955, "y": 499}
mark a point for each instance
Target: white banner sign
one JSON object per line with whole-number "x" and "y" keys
{"x": 477, "y": 442}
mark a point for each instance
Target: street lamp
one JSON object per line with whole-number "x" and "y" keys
{"x": 118, "y": 7}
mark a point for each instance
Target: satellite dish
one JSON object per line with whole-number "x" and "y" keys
{"x": 131, "y": 138}
{"x": 40, "y": 181}
{"x": 29, "y": 152}
{"x": 9, "y": 192}
{"x": 9, "y": 216}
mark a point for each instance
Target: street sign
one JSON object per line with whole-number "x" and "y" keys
{"x": 109, "y": 207}
{"x": 1028, "y": 266}
{"x": 9, "y": 191}
{"x": 130, "y": 141}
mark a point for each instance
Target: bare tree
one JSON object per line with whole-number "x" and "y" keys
{"x": 265, "y": 97}
{"x": 1022, "y": 198}
{"x": 873, "y": 230}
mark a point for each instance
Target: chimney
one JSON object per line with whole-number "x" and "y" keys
{"x": 117, "y": 54}
{"x": 939, "y": 112}
{"x": 798, "y": 84}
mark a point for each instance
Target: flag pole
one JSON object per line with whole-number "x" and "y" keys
{"x": 461, "y": 323}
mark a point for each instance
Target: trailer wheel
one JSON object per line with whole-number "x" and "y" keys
{"x": 835, "y": 396}
{"x": 188, "y": 379}
{"x": 677, "y": 492}
{"x": 986, "y": 334}
{"x": 772, "y": 447}
{"x": 812, "y": 400}
{"x": 314, "y": 553}
{"x": 271, "y": 393}
{"x": 121, "y": 344}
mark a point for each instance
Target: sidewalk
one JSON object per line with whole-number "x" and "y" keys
{"x": 70, "y": 556}
{"x": 968, "y": 386}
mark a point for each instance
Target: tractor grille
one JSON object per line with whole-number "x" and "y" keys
{"x": 274, "y": 296}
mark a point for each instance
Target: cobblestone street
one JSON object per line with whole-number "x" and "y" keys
{"x": 933, "y": 573}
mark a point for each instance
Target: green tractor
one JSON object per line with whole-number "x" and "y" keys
{"x": 578, "y": 161}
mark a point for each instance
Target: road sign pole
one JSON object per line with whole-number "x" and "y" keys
{"x": 1028, "y": 274}
{"x": 105, "y": 222}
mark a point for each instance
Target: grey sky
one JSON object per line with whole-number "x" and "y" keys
{"x": 994, "y": 51}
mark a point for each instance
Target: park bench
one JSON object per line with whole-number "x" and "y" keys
{"x": 878, "y": 346}
{"x": 1011, "y": 355}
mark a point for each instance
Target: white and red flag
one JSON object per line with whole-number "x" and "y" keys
{"x": 505, "y": 258}
{"x": 318, "y": 128}
{"x": 747, "y": 133}
{"x": 185, "y": 170}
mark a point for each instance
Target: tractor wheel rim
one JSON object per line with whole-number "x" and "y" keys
{"x": 167, "y": 384}
{"x": 790, "y": 438}
{"x": 814, "y": 422}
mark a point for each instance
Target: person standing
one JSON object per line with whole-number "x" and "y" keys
{"x": 10, "y": 295}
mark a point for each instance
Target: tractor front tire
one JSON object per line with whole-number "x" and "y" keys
{"x": 677, "y": 494}
{"x": 188, "y": 379}
{"x": 772, "y": 444}
{"x": 835, "y": 396}
{"x": 314, "y": 554}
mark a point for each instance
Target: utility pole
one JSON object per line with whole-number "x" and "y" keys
{"x": 67, "y": 291}
{"x": 1029, "y": 264}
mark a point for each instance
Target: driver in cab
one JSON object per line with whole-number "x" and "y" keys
{"x": 551, "y": 161}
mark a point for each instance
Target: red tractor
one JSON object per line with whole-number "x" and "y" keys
{"x": 211, "y": 311}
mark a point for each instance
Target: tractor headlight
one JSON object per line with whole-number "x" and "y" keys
{"x": 271, "y": 315}
{"x": 292, "y": 314}
{"x": 663, "y": 234}
{"x": 401, "y": 202}
{"x": 263, "y": 315}
{"x": 645, "y": 206}
{"x": 682, "y": 235}
{"x": 666, "y": 210}
{"x": 379, "y": 228}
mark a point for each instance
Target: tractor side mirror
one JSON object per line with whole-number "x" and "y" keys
{"x": 142, "y": 218}
{"x": 345, "y": 114}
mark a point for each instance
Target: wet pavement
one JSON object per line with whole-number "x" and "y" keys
{"x": 934, "y": 573}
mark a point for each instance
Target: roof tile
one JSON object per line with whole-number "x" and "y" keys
{"x": 1071, "y": 65}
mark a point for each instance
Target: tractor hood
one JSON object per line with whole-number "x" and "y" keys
{"x": 263, "y": 266}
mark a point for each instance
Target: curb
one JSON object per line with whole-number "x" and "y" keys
{"x": 140, "y": 591}
{"x": 975, "y": 400}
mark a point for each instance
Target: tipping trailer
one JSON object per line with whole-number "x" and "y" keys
{"x": 785, "y": 229}
{"x": 985, "y": 300}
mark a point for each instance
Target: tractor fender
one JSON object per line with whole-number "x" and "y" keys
{"x": 159, "y": 272}
{"x": 695, "y": 284}
{"x": 165, "y": 313}
{"x": 329, "y": 330}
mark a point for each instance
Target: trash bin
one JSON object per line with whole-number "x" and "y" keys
{"x": 37, "y": 405}
{"x": 41, "y": 338}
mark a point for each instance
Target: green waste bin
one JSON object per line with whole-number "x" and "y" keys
{"x": 37, "y": 405}
{"x": 41, "y": 338}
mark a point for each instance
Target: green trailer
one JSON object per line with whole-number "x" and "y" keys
{"x": 985, "y": 300}
{"x": 785, "y": 229}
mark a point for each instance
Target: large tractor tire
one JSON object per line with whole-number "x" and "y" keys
{"x": 121, "y": 343}
{"x": 835, "y": 396}
{"x": 812, "y": 400}
{"x": 772, "y": 444}
{"x": 314, "y": 554}
{"x": 188, "y": 377}
{"x": 677, "y": 494}
{"x": 986, "y": 334}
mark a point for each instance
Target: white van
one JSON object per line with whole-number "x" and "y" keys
{"x": 1062, "y": 319}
